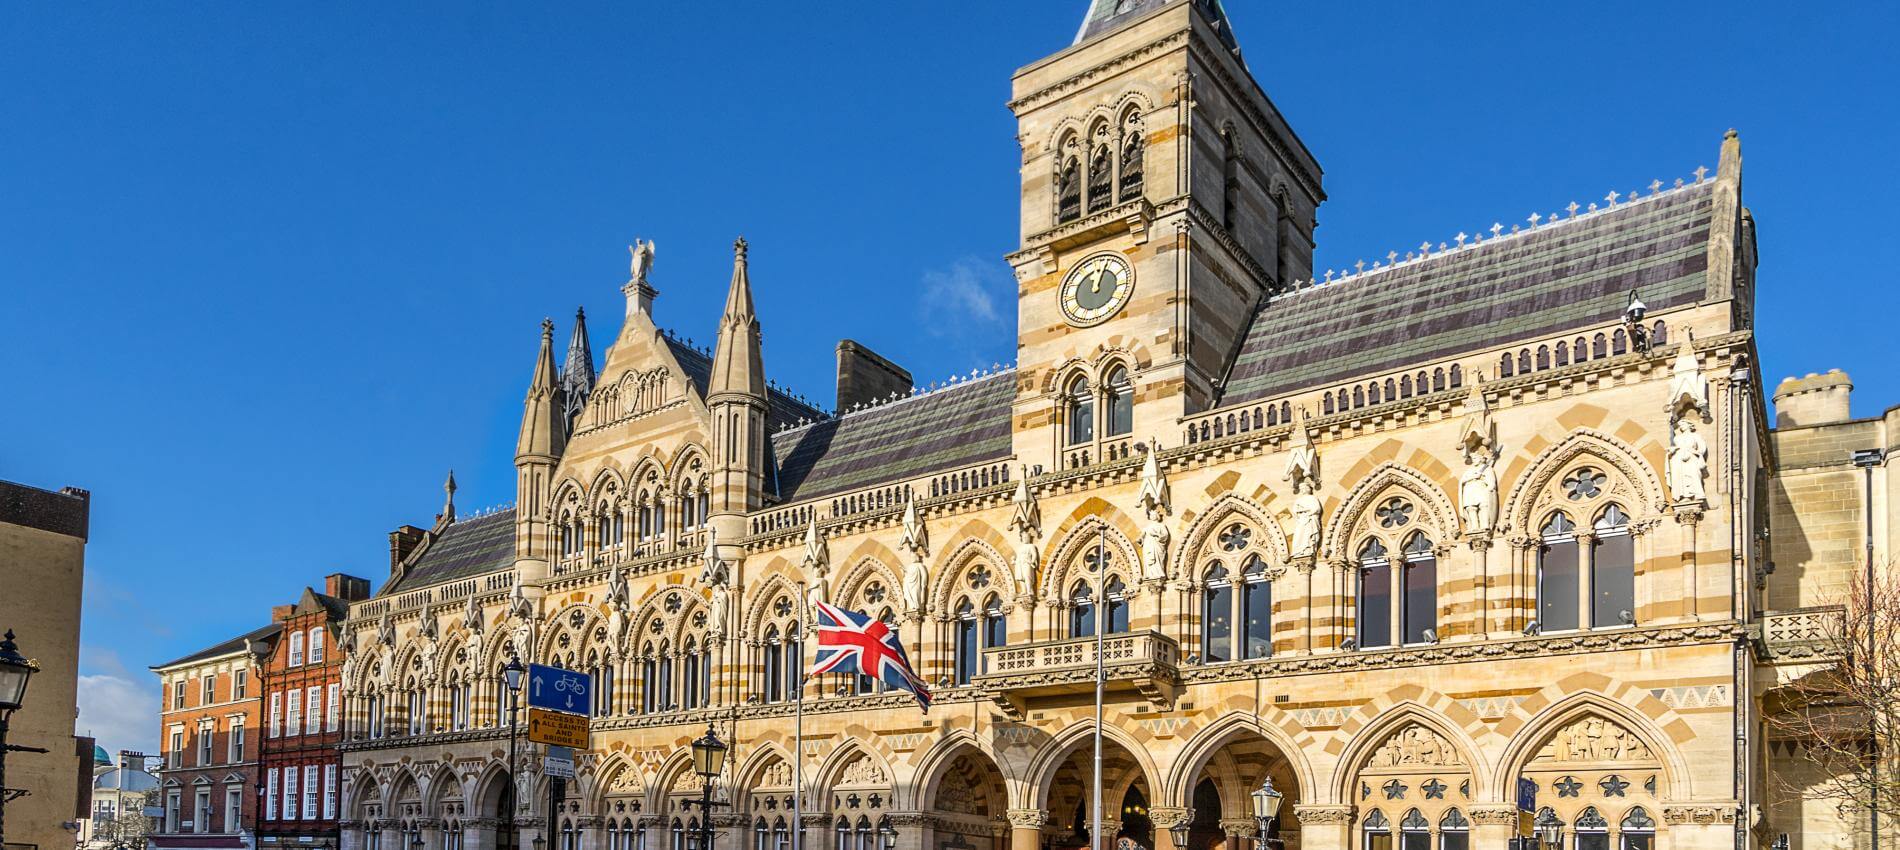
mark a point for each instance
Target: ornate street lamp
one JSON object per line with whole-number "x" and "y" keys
{"x": 15, "y": 671}
{"x": 1181, "y": 832}
{"x": 511, "y": 677}
{"x": 1266, "y": 808}
{"x": 709, "y": 760}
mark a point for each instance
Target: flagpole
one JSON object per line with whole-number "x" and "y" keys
{"x": 1101, "y": 608}
{"x": 798, "y": 730}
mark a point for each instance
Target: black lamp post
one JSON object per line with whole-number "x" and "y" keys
{"x": 15, "y": 670}
{"x": 709, "y": 759}
{"x": 1266, "y": 808}
{"x": 511, "y": 677}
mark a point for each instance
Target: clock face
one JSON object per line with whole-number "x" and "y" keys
{"x": 1097, "y": 289}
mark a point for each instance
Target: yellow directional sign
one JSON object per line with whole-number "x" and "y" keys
{"x": 557, "y": 728}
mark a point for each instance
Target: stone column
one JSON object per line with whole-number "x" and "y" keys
{"x": 1303, "y": 570}
{"x": 1586, "y": 578}
{"x": 1689, "y": 517}
{"x": 1240, "y": 832}
{"x": 350, "y": 836}
{"x": 431, "y": 831}
{"x": 1025, "y": 828}
{"x": 1481, "y": 587}
{"x": 1493, "y": 827}
{"x": 1165, "y": 818}
{"x": 1330, "y": 828}
{"x": 1522, "y": 605}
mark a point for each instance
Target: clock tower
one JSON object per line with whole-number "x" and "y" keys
{"x": 1164, "y": 199}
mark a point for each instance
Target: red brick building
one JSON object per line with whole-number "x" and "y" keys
{"x": 209, "y": 721}
{"x": 303, "y": 718}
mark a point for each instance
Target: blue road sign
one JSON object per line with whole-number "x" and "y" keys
{"x": 559, "y": 690}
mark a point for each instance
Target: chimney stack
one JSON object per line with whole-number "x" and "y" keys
{"x": 348, "y": 588}
{"x": 865, "y": 377}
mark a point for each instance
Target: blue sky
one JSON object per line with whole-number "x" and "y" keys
{"x": 267, "y": 271}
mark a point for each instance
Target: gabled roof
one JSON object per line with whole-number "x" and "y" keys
{"x": 312, "y": 602}
{"x": 1501, "y": 291}
{"x": 782, "y": 409}
{"x": 236, "y": 644}
{"x": 468, "y": 547}
{"x": 947, "y": 429}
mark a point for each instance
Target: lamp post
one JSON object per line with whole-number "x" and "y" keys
{"x": 1266, "y": 808}
{"x": 1868, "y": 460}
{"x": 15, "y": 670}
{"x": 709, "y": 759}
{"x": 1182, "y": 833}
{"x": 511, "y": 677}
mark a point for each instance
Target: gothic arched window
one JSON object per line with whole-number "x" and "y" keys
{"x": 1121, "y": 402}
{"x": 1133, "y": 148}
{"x": 995, "y": 624}
{"x": 1116, "y": 597}
{"x": 1419, "y": 604}
{"x": 1081, "y": 411}
{"x": 1217, "y": 615}
{"x": 966, "y": 650}
{"x": 774, "y": 690}
{"x": 1638, "y": 830}
{"x": 1558, "y": 574}
{"x": 1101, "y": 178}
{"x": 1378, "y": 832}
{"x": 1374, "y": 596}
{"x": 1082, "y": 610}
{"x": 1068, "y": 185}
{"x": 1613, "y": 571}
{"x": 1454, "y": 831}
{"x": 1256, "y": 608}
{"x": 690, "y": 681}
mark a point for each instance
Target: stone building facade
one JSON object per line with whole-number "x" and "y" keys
{"x": 210, "y": 720}
{"x": 1493, "y": 509}
{"x": 303, "y": 718}
{"x": 42, "y": 572}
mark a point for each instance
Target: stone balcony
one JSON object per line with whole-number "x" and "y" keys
{"x": 1146, "y": 662}
{"x": 1802, "y": 634}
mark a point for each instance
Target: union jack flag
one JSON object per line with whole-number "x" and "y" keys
{"x": 850, "y": 642}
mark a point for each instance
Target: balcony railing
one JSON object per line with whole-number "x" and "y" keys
{"x": 1147, "y": 662}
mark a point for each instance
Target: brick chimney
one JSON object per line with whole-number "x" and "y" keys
{"x": 402, "y": 541}
{"x": 348, "y": 588}
{"x": 280, "y": 613}
{"x": 865, "y": 377}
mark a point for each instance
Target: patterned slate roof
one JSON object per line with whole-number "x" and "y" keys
{"x": 1501, "y": 291}
{"x": 235, "y": 644}
{"x": 947, "y": 429}
{"x": 468, "y": 547}
{"x": 1105, "y": 16}
{"x": 782, "y": 410}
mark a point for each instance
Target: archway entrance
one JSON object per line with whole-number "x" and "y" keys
{"x": 971, "y": 803}
{"x": 1068, "y": 792}
{"x": 1220, "y": 789}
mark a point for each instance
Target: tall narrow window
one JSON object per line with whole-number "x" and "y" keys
{"x": 1557, "y": 575}
{"x": 296, "y": 649}
{"x": 1133, "y": 146}
{"x": 1121, "y": 402}
{"x": 1116, "y": 597}
{"x": 648, "y": 672}
{"x": 1638, "y": 830}
{"x": 1069, "y": 188}
{"x": 995, "y": 624}
{"x": 794, "y": 662}
{"x": 1593, "y": 830}
{"x": 1257, "y": 608}
{"x": 1375, "y": 596}
{"x": 965, "y": 627}
{"x": 666, "y": 683}
{"x": 774, "y": 666}
{"x": 691, "y": 690}
{"x": 1415, "y": 832}
{"x": 1454, "y": 831}
{"x": 1081, "y": 404}
{"x": 1082, "y": 611}
{"x": 1217, "y": 615}
{"x": 316, "y": 645}
{"x": 1421, "y": 590}
{"x": 1613, "y": 571}
{"x": 1378, "y": 831}
{"x": 1101, "y": 179}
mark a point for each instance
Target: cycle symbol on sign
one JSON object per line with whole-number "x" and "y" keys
{"x": 558, "y": 690}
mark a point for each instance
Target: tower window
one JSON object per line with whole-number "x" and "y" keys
{"x": 1121, "y": 403}
{"x": 1069, "y": 189}
{"x": 1081, "y": 411}
{"x": 1133, "y": 149}
{"x": 1101, "y": 179}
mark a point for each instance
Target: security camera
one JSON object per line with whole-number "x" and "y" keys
{"x": 1534, "y": 628}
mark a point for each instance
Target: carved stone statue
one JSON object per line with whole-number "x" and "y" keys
{"x": 619, "y": 606}
{"x": 1688, "y": 389}
{"x": 817, "y": 565}
{"x": 1302, "y": 460}
{"x": 721, "y": 611}
{"x": 1306, "y": 521}
{"x": 641, "y": 252}
{"x": 916, "y": 586}
{"x": 522, "y": 641}
{"x": 1478, "y": 492}
{"x": 1688, "y": 463}
{"x": 1026, "y": 562}
{"x": 1154, "y": 547}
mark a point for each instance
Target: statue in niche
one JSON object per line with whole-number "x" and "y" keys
{"x": 1688, "y": 463}
{"x": 619, "y": 605}
{"x": 817, "y": 568}
{"x": 1154, "y": 547}
{"x": 721, "y": 611}
{"x": 1478, "y": 492}
{"x": 1026, "y": 522}
{"x": 1306, "y": 521}
{"x": 916, "y": 586}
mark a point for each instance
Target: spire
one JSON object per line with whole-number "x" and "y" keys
{"x": 738, "y": 367}
{"x": 577, "y": 375}
{"x": 448, "y": 498}
{"x": 542, "y": 434}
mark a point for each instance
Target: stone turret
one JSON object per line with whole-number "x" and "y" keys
{"x": 736, "y": 399}
{"x": 538, "y": 449}
{"x": 1813, "y": 400}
